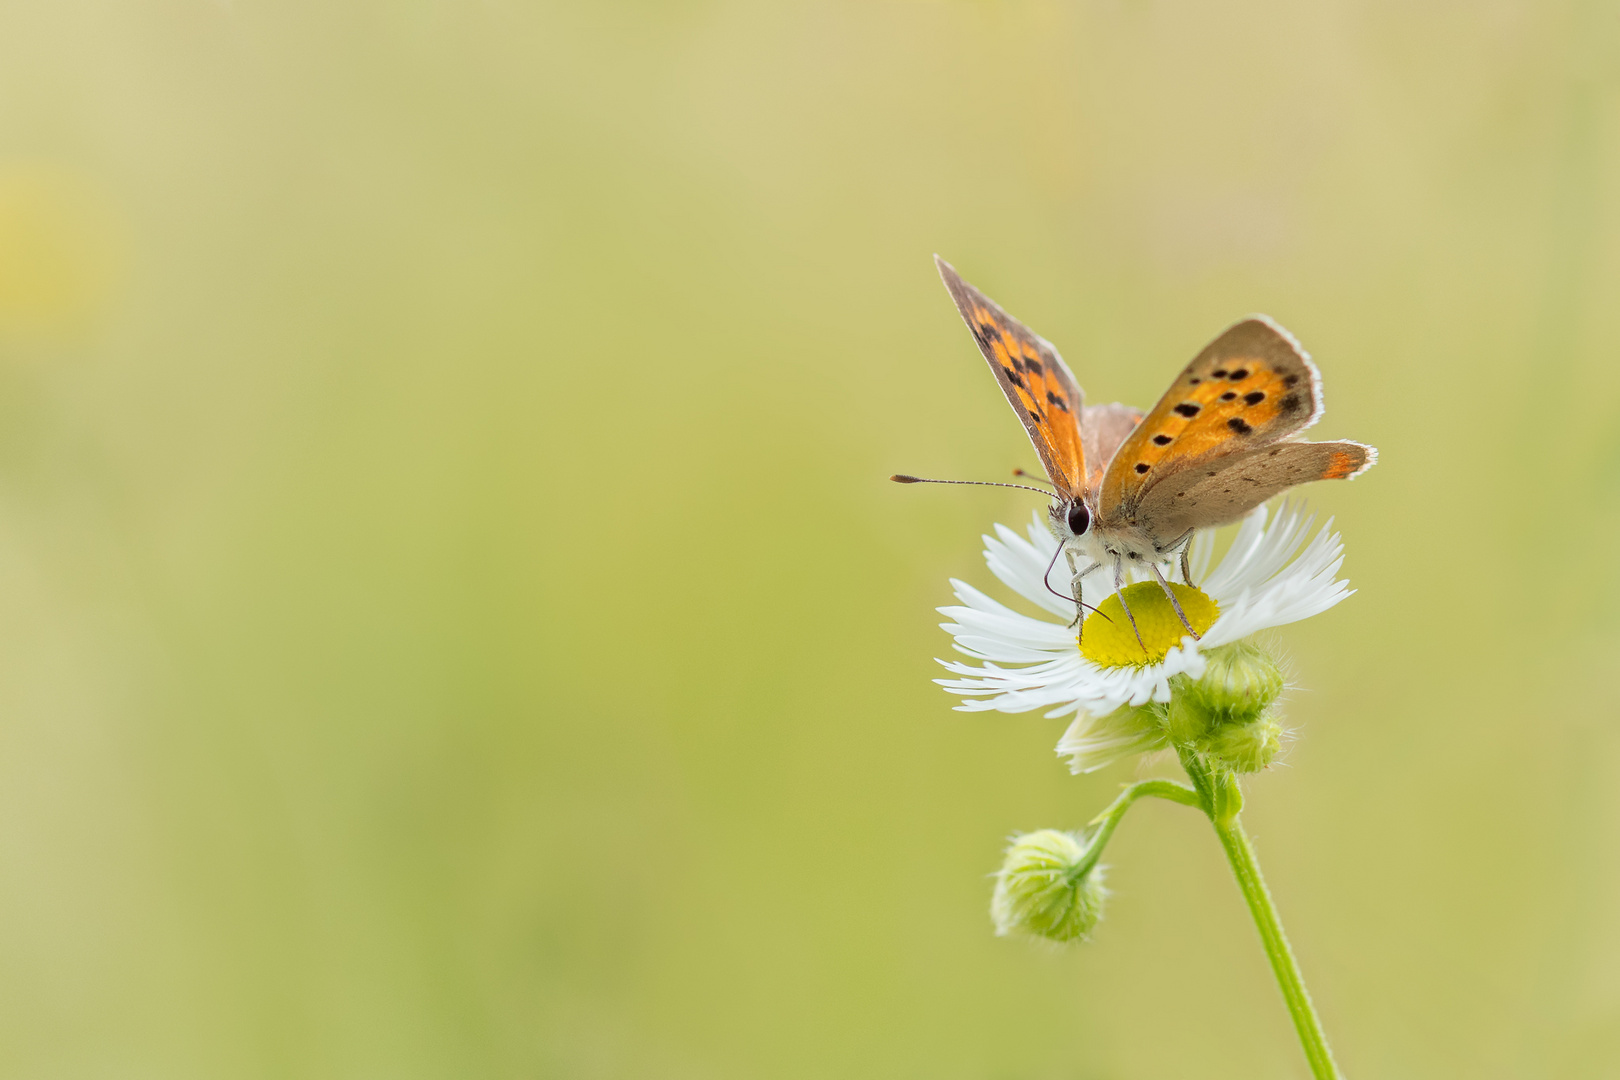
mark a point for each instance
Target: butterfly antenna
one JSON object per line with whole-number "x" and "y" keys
{"x": 1046, "y": 578}
{"x": 1031, "y": 476}
{"x": 903, "y": 478}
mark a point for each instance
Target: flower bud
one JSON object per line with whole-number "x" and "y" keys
{"x": 1226, "y": 714}
{"x": 1240, "y": 682}
{"x": 1187, "y": 718}
{"x": 1244, "y": 748}
{"x": 1046, "y": 889}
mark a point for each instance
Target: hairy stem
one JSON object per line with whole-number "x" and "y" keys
{"x": 1107, "y": 821}
{"x": 1222, "y": 805}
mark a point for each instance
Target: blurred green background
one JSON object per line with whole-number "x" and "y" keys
{"x": 453, "y": 618}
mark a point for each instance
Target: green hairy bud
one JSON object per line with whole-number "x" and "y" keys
{"x": 1228, "y": 715}
{"x": 1245, "y": 748}
{"x": 1240, "y": 682}
{"x": 1048, "y": 888}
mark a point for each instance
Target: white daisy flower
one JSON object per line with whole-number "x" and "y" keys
{"x": 1268, "y": 577}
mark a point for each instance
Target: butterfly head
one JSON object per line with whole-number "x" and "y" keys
{"x": 1070, "y": 520}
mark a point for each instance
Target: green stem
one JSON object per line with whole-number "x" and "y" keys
{"x": 1109, "y": 819}
{"x": 1240, "y": 854}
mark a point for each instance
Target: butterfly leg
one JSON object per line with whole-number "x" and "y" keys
{"x": 1119, "y": 591}
{"x": 1184, "y": 541}
{"x": 1074, "y": 587}
{"x": 1169, "y": 592}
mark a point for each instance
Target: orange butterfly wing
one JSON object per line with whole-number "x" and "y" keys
{"x": 1040, "y": 388}
{"x": 1250, "y": 387}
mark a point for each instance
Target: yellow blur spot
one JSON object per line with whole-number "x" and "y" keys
{"x": 1107, "y": 639}
{"x": 54, "y": 250}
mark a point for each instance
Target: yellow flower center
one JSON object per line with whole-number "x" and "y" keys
{"x": 1107, "y": 639}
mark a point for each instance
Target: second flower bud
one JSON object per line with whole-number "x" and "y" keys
{"x": 1227, "y": 715}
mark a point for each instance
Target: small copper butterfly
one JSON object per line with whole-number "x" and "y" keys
{"x": 1131, "y": 489}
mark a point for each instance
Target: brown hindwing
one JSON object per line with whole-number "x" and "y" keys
{"x": 1250, "y": 387}
{"x": 1223, "y": 490}
{"x": 1037, "y": 383}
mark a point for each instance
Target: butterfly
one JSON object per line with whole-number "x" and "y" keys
{"x": 1130, "y": 489}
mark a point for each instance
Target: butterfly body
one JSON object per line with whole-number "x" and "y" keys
{"x": 1131, "y": 489}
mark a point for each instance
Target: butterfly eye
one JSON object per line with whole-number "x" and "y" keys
{"x": 1079, "y": 519}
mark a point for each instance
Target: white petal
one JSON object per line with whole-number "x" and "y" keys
{"x": 1021, "y": 565}
{"x": 1092, "y": 742}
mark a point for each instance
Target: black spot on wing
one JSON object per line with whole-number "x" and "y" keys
{"x": 1239, "y": 425}
{"x": 1055, "y": 400}
{"x": 1188, "y": 409}
{"x": 1254, "y": 397}
{"x": 1230, "y": 395}
{"x": 1162, "y": 440}
{"x": 1141, "y": 466}
{"x": 1239, "y": 375}
{"x": 1290, "y": 404}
